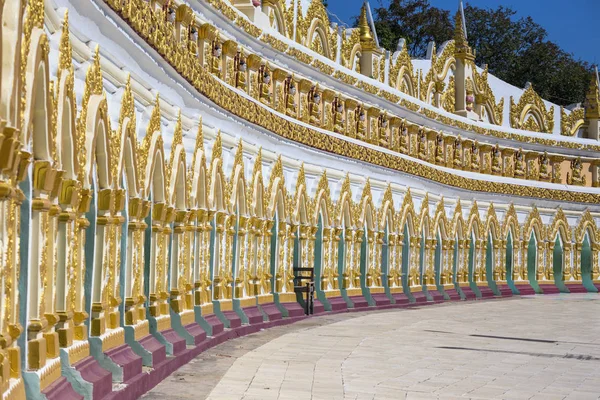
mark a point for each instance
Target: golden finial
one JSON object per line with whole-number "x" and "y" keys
{"x": 592, "y": 98}
{"x": 217, "y": 150}
{"x": 363, "y": 25}
{"x": 65, "y": 58}
{"x": 94, "y": 73}
{"x": 238, "y": 159}
{"x": 276, "y": 172}
{"x": 154, "y": 124}
{"x": 460, "y": 33}
{"x": 257, "y": 167}
{"x": 199, "y": 137}
{"x": 178, "y": 133}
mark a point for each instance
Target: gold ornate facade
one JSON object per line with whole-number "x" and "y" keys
{"x": 153, "y": 211}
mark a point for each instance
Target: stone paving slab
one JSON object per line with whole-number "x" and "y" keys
{"x": 537, "y": 347}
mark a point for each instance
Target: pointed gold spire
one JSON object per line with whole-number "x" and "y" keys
{"x": 65, "y": 58}
{"x": 217, "y": 150}
{"x": 94, "y": 74}
{"x": 592, "y": 98}
{"x": 178, "y": 133}
{"x": 199, "y": 146}
{"x": 154, "y": 124}
{"x": 460, "y": 34}
{"x": 257, "y": 167}
{"x": 366, "y": 37}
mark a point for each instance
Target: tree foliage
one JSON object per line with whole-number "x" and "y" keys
{"x": 516, "y": 50}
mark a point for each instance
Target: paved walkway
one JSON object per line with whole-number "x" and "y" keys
{"x": 540, "y": 347}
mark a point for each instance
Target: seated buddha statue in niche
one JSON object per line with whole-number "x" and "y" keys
{"x": 439, "y": 149}
{"x": 337, "y": 109}
{"x": 314, "y": 99}
{"x": 360, "y": 117}
{"x": 422, "y": 144}
{"x": 545, "y": 172}
{"x": 475, "y": 162}
{"x": 575, "y": 177}
{"x": 403, "y": 138}
{"x": 457, "y": 156}
{"x": 519, "y": 164}
{"x": 496, "y": 160}
{"x": 289, "y": 89}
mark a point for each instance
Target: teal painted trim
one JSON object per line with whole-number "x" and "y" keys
{"x": 319, "y": 265}
{"x": 437, "y": 267}
{"x": 489, "y": 265}
{"x": 136, "y": 346}
{"x": 280, "y": 307}
{"x": 177, "y": 325}
{"x": 405, "y": 264}
{"x": 33, "y": 390}
{"x": 422, "y": 268}
{"x": 586, "y": 265}
{"x": 558, "y": 261}
{"x": 455, "y": 270}
{"x": 341, "y": 268}
{"x": 509, "y": 260}
{"x": 364, "y": 260}
{"x": 217, "y": 311}
{"x": 471, "y": 267}
{"x": 80, "y": 385}
{"x": 532, "y": 263}
{"x": 201, "y": 321}
{"x": 89, "y": 254}
{"x": 239, "y": 311}
{"x": 159, "y": 336}
{"x": 105, "y": 362}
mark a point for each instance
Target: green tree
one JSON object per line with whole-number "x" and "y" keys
{"x": 414, "y": 20}
{"x": 516, "y": 50}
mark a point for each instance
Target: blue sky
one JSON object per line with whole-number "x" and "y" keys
{"x": 573, "y": 24}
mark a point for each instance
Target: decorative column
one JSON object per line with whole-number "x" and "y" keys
{"x": 463, "y": 97}
{"x": 289, "y": 262}
{"x": 524, "y": 258}
{"x": 592, "y": 108}
{"x": 549, "y": 264}
{"x": 68, "y": 200}
{"x": 369, "y": 277}
{"x": 241, "y": 280}
{"x": 414, "y": 254}
{"x": 595, "y": 259}
{"x": 377, "y": 265}
{"x": 575, "y": 270}
{"x": 80, "y": 314}
{"x": 134, "y": 289}
{"x": 502, "y": 260}
{"x": 326, "y": 251}
{"x": 254, "y": 232}
{"x": 430, "y": 266}
{"x": 177, "y": 278}
{"x": 265, "y": 273}
{"x": 334, "y": 258}
{"x": 369, "y": 50}
{"x": 280, "y": 256}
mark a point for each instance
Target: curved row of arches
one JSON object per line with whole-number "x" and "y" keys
{"x": 100, "y": 232}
